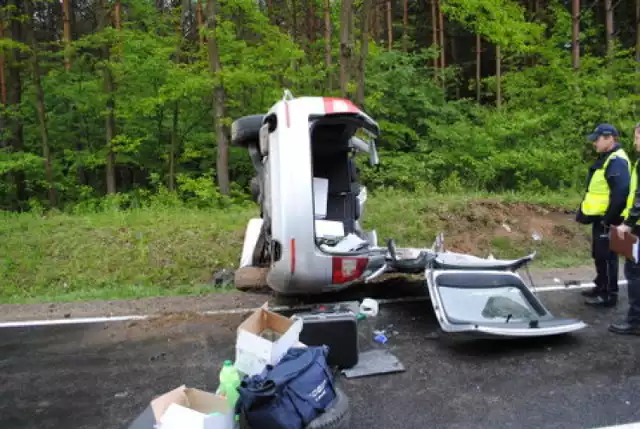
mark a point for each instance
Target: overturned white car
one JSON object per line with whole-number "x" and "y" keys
{"x": 309, "y": 239}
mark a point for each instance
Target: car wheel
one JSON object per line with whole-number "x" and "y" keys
{"x": 337, "y": 416}
{"x": 250, "y": 278}
{"x": 261, "y": 251}
{"x": 246, "y": 130}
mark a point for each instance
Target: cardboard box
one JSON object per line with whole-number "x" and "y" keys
{"x": 186, "y": 408}
{"x": 263, "y": 339}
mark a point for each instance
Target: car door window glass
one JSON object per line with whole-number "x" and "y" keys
{"x": 491, "y": 305}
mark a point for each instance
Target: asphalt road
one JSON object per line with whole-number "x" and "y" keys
{"x": 101, "y": 376}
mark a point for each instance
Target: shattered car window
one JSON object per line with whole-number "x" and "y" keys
{"x": 494, "y": 305}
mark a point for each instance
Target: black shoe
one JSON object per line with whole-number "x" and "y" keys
{"x": 602, "y": 301}
{"x": 592, "y": 293}
{"x": 625, "y": 328}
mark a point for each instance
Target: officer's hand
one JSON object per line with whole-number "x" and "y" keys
{"x": 622, "y": 230}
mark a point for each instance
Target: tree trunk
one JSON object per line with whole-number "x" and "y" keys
{"x": 311, "y": 24}
{"x": 108, "y": 85}
{"x": 174, "y": 148}
{"x": 222, "y": 161}
{"x": 327, "y": 42}
{"x": 575, "y": 34}
{"x": 637, "y": 54}
{"x": 434, "y": 29}
{"x": 638, "y": 32}
{"x": 199, "y": 22}
{"x": 405, "y": 24}
{"x": 15, "y": 100}
{"x": 454, "y": 58}
{"x": 40, "y": 107}
{"x": 66, "y": 17}
{"x": 116, "y": 15}
{"x": 389, "y": 25}
{"x": 364, "y": 51}
{"x": 3, "y": 86}
{"x": 373, "y": 26}
{"x": 608, "y": 6}
{"x": 498, "y": 77}
{"x": 441, "y": 25}
{"x": 175, "y": 137}
{"x": 478, "y": 67}
{"x": 294, "y": 20}
{"x": 345, "y": 44}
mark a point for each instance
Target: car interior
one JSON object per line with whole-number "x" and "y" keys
{"x": 332, "y": 159}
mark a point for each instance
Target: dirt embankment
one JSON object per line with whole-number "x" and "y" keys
{"x": 486, "y": 225}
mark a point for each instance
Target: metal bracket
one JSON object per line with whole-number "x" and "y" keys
{"x": 287, "y": 96}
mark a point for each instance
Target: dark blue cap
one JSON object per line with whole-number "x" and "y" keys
{"x": 603, "y": 130}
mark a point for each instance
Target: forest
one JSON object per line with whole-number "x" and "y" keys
{"x": 130, "y": 98}
{"x": 118, "y": 179}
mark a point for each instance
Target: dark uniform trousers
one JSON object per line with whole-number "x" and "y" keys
{"x": 606, "y": 261}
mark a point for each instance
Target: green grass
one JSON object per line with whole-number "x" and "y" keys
{"x": 169, "y": 251}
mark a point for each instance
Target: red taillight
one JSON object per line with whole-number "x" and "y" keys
{"x": 347, "y": 269}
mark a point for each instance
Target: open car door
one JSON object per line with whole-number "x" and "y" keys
{"x": 490, "y": 302}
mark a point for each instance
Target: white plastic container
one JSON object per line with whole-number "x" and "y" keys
{"x": 369, "y": 307}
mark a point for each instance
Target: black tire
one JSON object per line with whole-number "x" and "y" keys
{"x": 260, "y": 256}
{"x": 246, "y": 130}
{"x": 337, "y": 416}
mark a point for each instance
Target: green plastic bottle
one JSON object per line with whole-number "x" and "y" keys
{"x": 229, "y": 383}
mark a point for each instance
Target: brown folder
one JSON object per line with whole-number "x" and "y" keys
{"x": 625, "y": 246}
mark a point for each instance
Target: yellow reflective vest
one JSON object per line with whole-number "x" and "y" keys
{"x": 633, "y": 186}
{"x": 596, "y": 200}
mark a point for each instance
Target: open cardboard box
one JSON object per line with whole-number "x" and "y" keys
{"x": 186, "y": 408}
{"x": 253, "y": 351}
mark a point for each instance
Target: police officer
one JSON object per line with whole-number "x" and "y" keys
{"x": 603, "y": 205}
{"x": 631, "y": 325}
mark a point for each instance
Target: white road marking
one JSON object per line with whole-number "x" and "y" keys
{"x": 107, "y": 319}
{"x": 635, "y": 425}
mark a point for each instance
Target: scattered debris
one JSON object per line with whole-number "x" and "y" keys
{"x": 373, "y": 362}
{"x": 381, "y": 338}
{"x": 223, "y": 278}
{"x": 160, "y": 356}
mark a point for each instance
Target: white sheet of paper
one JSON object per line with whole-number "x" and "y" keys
{"x": 320, "y": 196}
{"x": 329, "y": 228}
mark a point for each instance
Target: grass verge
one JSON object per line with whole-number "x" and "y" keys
{"x": 169, "y": 251}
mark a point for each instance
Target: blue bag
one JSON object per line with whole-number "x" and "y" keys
{"x": 291, "y": 394}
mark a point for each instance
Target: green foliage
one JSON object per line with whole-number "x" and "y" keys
{"x": 501, "y": 21}
{"x": 154, "y": 245}
{"x": 431, "y": 141}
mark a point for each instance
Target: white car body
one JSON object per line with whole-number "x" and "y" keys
{"x": 303, "y": 144}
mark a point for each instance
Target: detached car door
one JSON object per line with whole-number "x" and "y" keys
{"x": 491, "y": 303}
